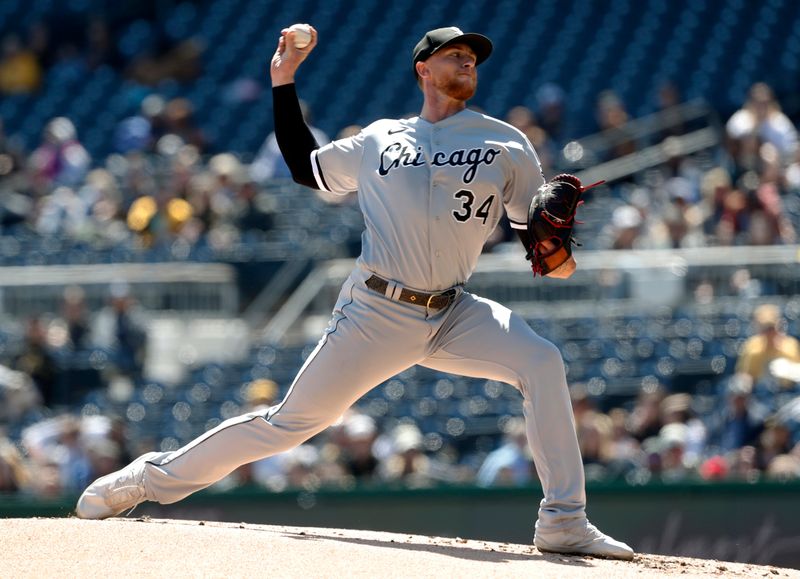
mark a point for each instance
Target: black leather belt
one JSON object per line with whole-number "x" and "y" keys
{"x": 434, "y": 301}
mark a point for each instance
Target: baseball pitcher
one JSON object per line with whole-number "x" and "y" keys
{"x": 431, "y": 188}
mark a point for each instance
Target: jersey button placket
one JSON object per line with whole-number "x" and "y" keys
{"x": 434, "y": 193}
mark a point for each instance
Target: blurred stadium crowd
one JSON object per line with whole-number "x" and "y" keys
{"x": 160, "y": 187}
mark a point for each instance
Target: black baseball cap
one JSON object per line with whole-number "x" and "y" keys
{"x": 436, "y": 39}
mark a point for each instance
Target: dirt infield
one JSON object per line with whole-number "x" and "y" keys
{"x": 146, "y": 547}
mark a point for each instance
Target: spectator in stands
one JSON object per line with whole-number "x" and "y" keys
{"x": 261, "y": 394}
{"x": 768, "y": 343}
{"x": 14, "y": 473}
{"x": 774, "y": 441}
{"x": 792, "y": 174}
{"x": 61, "y": 214}
{"x": 645, "y": 419}
{"x": 730, "y": 220}
{"x": 550, "y": 111}
{"x": 742, "y": 284}
{"x": 744, "y": 464}
{"x": 56, "y": 443}
{"x": 158, "y": 219}
{"x": 75, "y": 314}
{"x": 181, "y": 62}
{"x": 511, "y": 464}
{"x": 672, "y": 442}
{"x": 677, "y": 409}
{"x": 612, "y": 118}
{"x": 769, "y": 222}
{"x": 524, "y": 119}
{"x": 269, "y": 164}
{"x": 20, "y": 72}
{"x": 120, "y": 327}
{"x": 135, "y": 176}
{"x": 404, "y": 460}
{"x": 715, "y": 184}
{"x": 242, "y": 90}
{"x": 622, "y": 449}
{"x": 253, "y": 209}
{"x": 784, "y": 467}
{"x": 141, "y": 132}
{"x": 521, "y": 117}
{"x": 581, "y": 402}
{"x": 37, "y": 361}
{"x": 180, "y": 121}
{"x": 183, "y": 165}
{"x": 101, "y": 192}
{"x": 626, "y": 228}
{"x": 740, "y": 421}
{"x": 45, "y": 476}
{"x": 300, "y": 467}
{"x": 104, "y": 456}
{"x": 120, "y": 435}
{"x": 71, "y": 455}
{"x": 354, "y": 438}
{"x": 227, "y": 174}
{"x": 594, "y": 437}
{"x": 12, "y": 157}
{"x": 60, "y": 159}
{"x": 199, "y": 191}
{"x": 761, "y": 116}
{"x": 668, "y": 96}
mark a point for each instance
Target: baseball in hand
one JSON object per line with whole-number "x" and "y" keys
{"x": 302, "y": 35}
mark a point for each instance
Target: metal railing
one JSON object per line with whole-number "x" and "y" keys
{"x": 178, "y": 287}
{"x": 692, "y": 127}
{"x": 632, "y": 280}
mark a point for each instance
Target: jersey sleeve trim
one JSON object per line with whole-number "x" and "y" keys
{"x": 315, "y": 166}
{"x": 517, "y": 224}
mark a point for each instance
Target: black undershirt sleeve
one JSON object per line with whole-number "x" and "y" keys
{"x": 295, "y": 139}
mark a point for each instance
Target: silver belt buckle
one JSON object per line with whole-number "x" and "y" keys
{"x": 449, "y": 294}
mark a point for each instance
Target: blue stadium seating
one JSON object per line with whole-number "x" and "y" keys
{"x": 361, "y": 70}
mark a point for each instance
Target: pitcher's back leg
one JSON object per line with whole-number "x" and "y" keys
{"x": 484, "y": 339}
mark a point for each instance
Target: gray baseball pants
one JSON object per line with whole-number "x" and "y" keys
{"x": 372, "y": 338}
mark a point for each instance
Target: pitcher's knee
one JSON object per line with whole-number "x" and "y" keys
{"x": 295, "y": 430}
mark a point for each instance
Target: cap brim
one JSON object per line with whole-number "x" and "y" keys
{"x": 479, "y": 43}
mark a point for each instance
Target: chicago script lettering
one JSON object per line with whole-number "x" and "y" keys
{"x": 406, "y": 158}
{"x": 399, "y": 155}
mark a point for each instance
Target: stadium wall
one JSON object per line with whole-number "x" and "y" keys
{"x": 753, "y": 523}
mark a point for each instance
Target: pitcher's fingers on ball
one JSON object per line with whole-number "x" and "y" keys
{"x": 301, "y": 35}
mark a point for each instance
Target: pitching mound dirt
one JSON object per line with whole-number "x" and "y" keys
{"x": 170, "y": 548}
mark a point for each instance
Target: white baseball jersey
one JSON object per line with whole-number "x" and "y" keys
{"x": 431, "y": 193}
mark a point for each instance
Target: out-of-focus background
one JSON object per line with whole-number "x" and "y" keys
{"x": 159, "y": 271}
